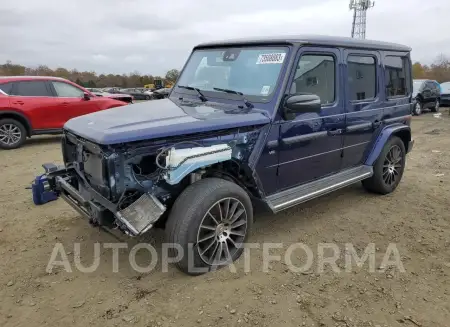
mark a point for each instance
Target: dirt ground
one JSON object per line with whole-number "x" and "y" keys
{"x": 416, "y": 217}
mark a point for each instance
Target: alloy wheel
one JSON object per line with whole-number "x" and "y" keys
{"x": 392, "y": 165}
{"x": 222, "y": 231}
{"x": 418, "y": 109}
{"x": 10, "y": 134}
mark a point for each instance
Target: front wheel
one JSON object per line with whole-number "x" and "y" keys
{"x": 147, "y": 97}
{"x": 388, "y": 169}
{"x": 12, "y": 134}
{"x": 417, "y": 108}
{"x": 210, "y": 221}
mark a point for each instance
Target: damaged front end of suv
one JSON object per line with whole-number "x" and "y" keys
{"x": 132, "y": 186}
{"x": 189, "y": 163}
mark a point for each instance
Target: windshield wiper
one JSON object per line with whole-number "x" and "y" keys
{"x": 248, "y": 104}
{"x": 200, "y": 94}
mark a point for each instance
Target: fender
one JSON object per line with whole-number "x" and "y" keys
{"x": 384, "y": 136}
{"x": 10, "y": 113}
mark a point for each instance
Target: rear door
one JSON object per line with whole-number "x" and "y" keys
{"x": 428, "y": 94}
{"x": 364, "y": 110}
{"x": 36, "y": 100}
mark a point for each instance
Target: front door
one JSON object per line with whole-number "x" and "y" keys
{"x": 311, "y": 143}
{"x": 364, "y": 109}
{"x": 71, "y": 102}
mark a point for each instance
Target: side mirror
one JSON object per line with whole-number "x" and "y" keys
{"x": 86, "y": 96}
{"x": 303, "y": 103}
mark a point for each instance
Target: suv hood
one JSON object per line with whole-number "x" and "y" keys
{"x": 158, "y": 119}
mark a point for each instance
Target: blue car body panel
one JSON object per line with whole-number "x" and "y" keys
{"x": 158, "y": 119}
{"x": 383, "y": 137}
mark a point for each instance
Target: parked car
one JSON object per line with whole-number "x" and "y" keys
{"x": 117, "y": 96}
{"x": 144, "y": 90}
{"x": 31, "y": 105}
{"x": 161, "y": 93}
{"x": 426, "y": 95}
{"x": 445, "y": 94}
{"x": 274, "y": 121}
{"x": 137, "y": 94}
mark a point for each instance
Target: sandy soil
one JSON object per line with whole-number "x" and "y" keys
{"x": 416, "y": 218}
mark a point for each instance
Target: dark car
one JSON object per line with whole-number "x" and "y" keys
{"x": 137, "y": 94}
{"x": 445, "y": 94}
{"x": 426, "y": 95}
{"x": 269, "y": 121}
{"x": 161, "y": 93}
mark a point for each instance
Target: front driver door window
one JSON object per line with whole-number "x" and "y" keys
{"x": 72, "y": 102}
{"x": 64, "y": 90}
{"x": 312, "y": 142}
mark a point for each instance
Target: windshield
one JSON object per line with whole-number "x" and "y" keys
{"x": 253, "y": 72}
{"x": 417, "y": 85}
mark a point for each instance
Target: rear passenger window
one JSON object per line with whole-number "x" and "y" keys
{"x": 6, "y": 88}
{"x": 32, "y": 88}
{"x": 315, "y": 74}
{"x": 397, "y": 75}
{"x": 362, "y": 78}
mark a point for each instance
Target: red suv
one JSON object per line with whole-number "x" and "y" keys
{"x": 42, "y": 105}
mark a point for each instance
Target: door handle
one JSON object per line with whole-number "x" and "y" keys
{"x": 18, "y": 102}
{"x": 65, "y": 103}
{"x": 335, "y": 131}
{"x": 376, "y": 124}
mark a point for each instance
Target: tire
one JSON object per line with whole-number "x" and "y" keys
{"x": 388, "y": 169}
{"x": 12, "y": 134}
{"x": 436, "y": 107}
{"x": 147, "y": 97}
{"x": 418, "y": 108}
{"x": 190, "y": 212}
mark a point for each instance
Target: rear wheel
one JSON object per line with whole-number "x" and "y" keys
{"x": 147, "y": 97}
{"x": 388, "y": 169}
{"x": 12, "y": 134}
{"x": 210, "y": 221}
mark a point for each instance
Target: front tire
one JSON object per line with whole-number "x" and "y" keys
{"x": 12, "y": 134}
{"x": 388, "y": 169}
{"x": 418, "y": 107}
{"x": 210, "y": 221}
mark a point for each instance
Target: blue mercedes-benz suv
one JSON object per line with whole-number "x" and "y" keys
{"x": 277, "y": 120}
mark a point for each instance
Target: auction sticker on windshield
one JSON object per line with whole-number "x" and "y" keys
{"x": 270, "y": 58}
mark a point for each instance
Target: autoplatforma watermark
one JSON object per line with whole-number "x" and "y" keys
{"x": 297, "y": 257}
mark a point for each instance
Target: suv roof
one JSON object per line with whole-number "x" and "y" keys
{"x": 311, "y": 39}
{"x": 24, "y": 78}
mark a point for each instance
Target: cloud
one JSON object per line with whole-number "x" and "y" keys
{"x": 121, "y": 36}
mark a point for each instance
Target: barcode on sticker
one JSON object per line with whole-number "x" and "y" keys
{"x": 265, "y": 90}
{"x": 270, "y": 58}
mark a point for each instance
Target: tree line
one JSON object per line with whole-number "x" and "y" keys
{"x": 439, "y": 70}
{"x": 87, "y": 79}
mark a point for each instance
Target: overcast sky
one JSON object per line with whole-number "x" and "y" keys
{"x": 121, "y": 36}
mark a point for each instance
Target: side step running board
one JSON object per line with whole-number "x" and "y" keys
{"x": 291, "y": 197}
